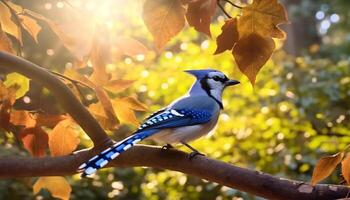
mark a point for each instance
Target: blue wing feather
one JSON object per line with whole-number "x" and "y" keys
{"x": 175, "y": 118}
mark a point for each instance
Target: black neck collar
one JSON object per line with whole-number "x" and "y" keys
{"x": 206, "y": 88}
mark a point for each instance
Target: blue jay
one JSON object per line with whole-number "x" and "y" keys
{"x": 184, "y": 120}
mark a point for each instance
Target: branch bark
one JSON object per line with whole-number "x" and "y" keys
{"x": 66, "y": 98}
{"x": 247, "y": 180}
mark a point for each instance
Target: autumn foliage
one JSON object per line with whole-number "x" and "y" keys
{"x": 250, "y": 37}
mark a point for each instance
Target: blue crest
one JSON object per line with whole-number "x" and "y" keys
{"x": 200, "y": 73}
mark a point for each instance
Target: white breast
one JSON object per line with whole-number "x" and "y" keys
{"x": 184, "y": 134}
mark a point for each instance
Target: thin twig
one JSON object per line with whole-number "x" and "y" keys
{"x": 234, "y": 5}
{"x": 223, "y": 10}
{"x": 76, "y": 85}
{"x": 70, "y": 79}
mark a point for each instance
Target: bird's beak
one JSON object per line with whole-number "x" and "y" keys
{"x": 231, "y": 82}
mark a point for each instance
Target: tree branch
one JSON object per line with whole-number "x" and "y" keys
{"x": 66, "y": 98}
{"x": 250, "y": 181}
{"x": 247, "y": 180}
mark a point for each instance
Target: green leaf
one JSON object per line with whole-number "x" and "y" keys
{"x": 20, "y": 80}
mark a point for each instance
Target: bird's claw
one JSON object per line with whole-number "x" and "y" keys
{"x": 194, "y": 154}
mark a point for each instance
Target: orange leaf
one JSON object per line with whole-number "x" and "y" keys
{"x": 7, "y": 24}
{"x": 325, "y": 166}
{"x": 116, "y": 86}
{"x": 124, "y": 112}
{"x": 199, "y": 14}
{"x": 133, "y": 103}
{"x": 35, "y": 140}
{"x": 23, "y": 118}
{"x": 129, "y": 46}
{"x": 63, "y": 139}
{"x": 7, "y": 99}
{"x": 106, "y": 104}
{"x": 97, "y": 110}
{"x": 70, "y": 73}
{"x": 262, "y": 17}
{"x": 251, "y": 53}
{"x": 31, "y": 26}
{"x": 49, "y": 120}
{"x": 345, "y": 168}
{"x": 99, "y": 59}
{"x": 228, "y": 37}
{"x": 164, "y": 19}
{"x": 57, "y": 185}
{"x": 5, "y": 42}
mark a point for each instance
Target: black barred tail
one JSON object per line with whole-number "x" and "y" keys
{"x": 112, "y": 152}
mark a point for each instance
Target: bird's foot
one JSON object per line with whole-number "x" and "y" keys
{"x": 194, "y": 154}
{"x": 167, "y": 147}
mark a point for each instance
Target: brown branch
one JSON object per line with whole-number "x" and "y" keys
{"x": 65, "y": 97}
{"x": 250, "y": 181}
{"x": 247, "y": 180}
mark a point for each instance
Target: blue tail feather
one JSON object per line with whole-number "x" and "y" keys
{"x": 110, "y": 153}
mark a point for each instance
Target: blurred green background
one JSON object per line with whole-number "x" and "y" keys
{"x": 297, "y": 112}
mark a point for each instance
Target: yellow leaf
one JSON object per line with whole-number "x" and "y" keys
{"x": 63, "y": 139}
{"x": 20, "y": 80}
{"x": 124, "y": 112}
{"x": 31, "y": 26}
{"x": 345, "y": 168}
{"x": 133, "y": 103}
{"x": 7, "y": 24}
{"x": 262, "y": 17}
{"x": 57, "y": 185}
{"x": 325, "y": 166}
{"x": 116, "y": 86}
{"x": 164, "y": 19}
{"x": 251, "y": 53}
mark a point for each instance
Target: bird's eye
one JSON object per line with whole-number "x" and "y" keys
{"x": 216, "y": 78}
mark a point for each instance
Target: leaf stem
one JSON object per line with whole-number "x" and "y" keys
{"x": 232, "y": 4}
{"x": 223, "y": 10}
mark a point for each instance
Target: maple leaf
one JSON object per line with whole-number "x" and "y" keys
{"x": 35, "y": 140}
{"x": 125, "y": 107}
{"x": 164, "y": 19}
{"x": 7, "y": 24}
{"x": 7, "y": 99}
{"x": 228, "y": 37}
{"x": 199, "y": 14}
{"x": 97, "y": 110}
{"x": 23, "y": 118}
{"x": 325, "y": 166}
{"x": 116, "y": 86}
{"x": 345, "y": 169}
{"x": 28, "y": 23}
{"x": 251, "y": 53}
{"x": 250, "y": 35}
{"x": 57, "y": 185}
{"x": 5, "y": 42}
{"x": 262, "y": 17}
{"x": 31, "y": 26}
{"x": 106, "y": 104}
{"x": 63, "y": 139}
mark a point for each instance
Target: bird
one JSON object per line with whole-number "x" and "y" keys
{"x": 189, "y": 117}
